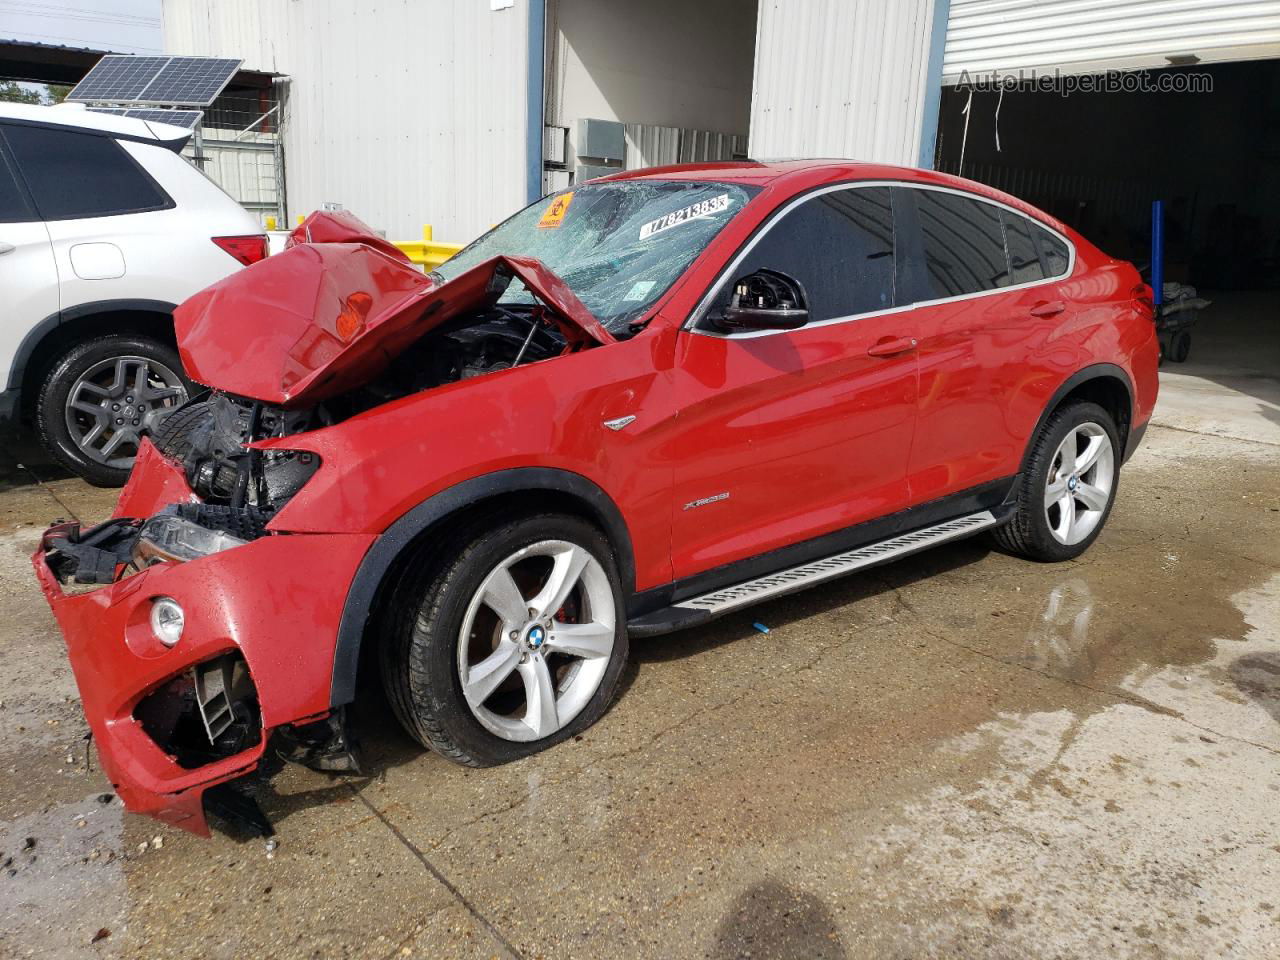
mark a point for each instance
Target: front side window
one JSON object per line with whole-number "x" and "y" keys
{"x": 73, "y": 175}
{"x": 963, "y": 245}
{"x": 619, "y": 246}
{"x": 838, "y": 245}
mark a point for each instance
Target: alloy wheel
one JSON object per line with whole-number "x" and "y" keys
{"x": 1081, "y": 480}
{"x": 113, "y": 403}
{"x": 536, "y": 640}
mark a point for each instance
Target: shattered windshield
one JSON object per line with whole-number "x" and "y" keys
{"x": 618, "y": 245}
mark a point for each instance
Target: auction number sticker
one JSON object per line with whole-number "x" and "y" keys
{"x": 553, "y": 216}
{"x": 695, "y": 211}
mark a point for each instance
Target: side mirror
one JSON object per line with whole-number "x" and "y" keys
{"x": 765, "y": 300}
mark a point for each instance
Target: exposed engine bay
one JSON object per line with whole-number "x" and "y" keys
{"x": 242, "y": 487}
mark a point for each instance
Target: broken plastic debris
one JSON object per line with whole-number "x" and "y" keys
{"x": 761, "y": 627}
{"x": 271, "y": 848}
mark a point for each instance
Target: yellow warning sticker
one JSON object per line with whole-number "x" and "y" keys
{"x": 554, "y": 214}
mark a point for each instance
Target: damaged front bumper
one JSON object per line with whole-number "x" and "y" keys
{"x": 255, "y": 652}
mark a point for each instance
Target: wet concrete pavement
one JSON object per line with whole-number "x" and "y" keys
{"x": 961, "y": 754}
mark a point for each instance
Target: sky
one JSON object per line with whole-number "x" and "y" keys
{"x": 121, "y": 26}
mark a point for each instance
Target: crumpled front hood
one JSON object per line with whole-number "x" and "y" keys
{"x": 330, "y": 313}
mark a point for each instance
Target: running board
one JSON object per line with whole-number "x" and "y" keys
{"x": 696, "y": 610}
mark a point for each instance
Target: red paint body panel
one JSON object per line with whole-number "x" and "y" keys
{"x": 154, "y": 483}
{"x": 378, "y": 466}
{"x": 277, "y": 600}
{"x": 341, "y": 226}
{"x": 275, "y": 332}
{"x": 805, "y": 430}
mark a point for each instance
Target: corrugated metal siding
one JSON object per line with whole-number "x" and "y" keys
{"x": 404, "y": 112}
{"x": 1082, "y": 36}
{"x": 651, "y": 145}
{"x": 244, "y": 168}
{"x": 841, "y": 78}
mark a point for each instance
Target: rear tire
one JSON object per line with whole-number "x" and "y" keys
{"x": 101, "y": 397}
{"x": 1061, "y": 511}
{"x": 485, "y": 701}
{"x": 1180, "y": 347}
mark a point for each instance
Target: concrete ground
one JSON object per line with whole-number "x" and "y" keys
{"x": 961, "y": 754}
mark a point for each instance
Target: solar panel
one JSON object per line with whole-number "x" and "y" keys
{"x": 179, "y": 81}
{"x": 191, "y": 80}
{"x": 118, "y": 78}
{"x": 178, "y": 118}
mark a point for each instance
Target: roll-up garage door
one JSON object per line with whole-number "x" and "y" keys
{"x": 1092, "y": 36}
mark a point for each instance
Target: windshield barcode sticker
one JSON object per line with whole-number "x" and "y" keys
{"x": 695, "y": 211}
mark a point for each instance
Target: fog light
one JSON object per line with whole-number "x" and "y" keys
{"x": 166, "y": 620}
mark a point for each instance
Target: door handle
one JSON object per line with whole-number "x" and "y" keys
{"x": 1048, "y": 308}
{"x": 891, "y": 346}
{"x": 6, "y": 248}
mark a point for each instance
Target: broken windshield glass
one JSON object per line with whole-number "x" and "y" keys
{"x": 618, "y": 245}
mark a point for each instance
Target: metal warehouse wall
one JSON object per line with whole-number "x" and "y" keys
{"x": 619, "y": 60}
{"x": 841, "y": 78}
{"x": 1086, "y": 36}
{"x": 405, "y": 112}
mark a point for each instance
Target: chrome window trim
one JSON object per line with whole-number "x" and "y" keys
{"x": 704, "y": 304}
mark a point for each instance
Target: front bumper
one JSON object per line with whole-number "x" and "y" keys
{"x": 277, "y": 601}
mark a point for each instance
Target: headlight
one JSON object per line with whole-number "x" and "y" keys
{"x": 166, "y": 620}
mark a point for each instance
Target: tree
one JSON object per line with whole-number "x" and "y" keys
{"x": 13, "y": 92}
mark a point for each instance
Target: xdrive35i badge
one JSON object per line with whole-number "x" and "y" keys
{"x": 705, "y": 500}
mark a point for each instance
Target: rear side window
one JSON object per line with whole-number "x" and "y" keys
{"x": 13, "y": 204}
{"x": 1024, "y": 257}
{"x": 1053, "y": 250}
{"x": 963, "y": 244}
{"x": 73, "y": 175}
{"x": 840, "y": 247}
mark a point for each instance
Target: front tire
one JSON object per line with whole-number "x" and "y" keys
{"x": 513, "y": 640}
{"x": 1066, "y": 492}
{"x": 101, "y": 397}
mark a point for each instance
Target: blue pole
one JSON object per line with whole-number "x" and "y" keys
{"x": 933, "y": 84}
{"x": 1157, "y": 250}
{"x": 533, "y": 100}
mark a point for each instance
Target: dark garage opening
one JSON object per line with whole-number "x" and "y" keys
{"x": 1097, "y": 160}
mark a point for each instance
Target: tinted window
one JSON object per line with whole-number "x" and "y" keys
{"x": 13, "y": 205}
{"x": 963, "y": 244}
{"x": 1053, "y": 250}
{"x": 838, "y": 245}
{"x": 1024, "y": 258}
{"x": 80, "y": 175}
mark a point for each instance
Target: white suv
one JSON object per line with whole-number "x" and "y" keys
{"x": 104, "y": 229}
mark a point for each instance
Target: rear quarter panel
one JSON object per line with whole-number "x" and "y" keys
{"x": 168, "y": 254}
{"x": 1103, "y": 325}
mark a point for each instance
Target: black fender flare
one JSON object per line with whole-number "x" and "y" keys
{"x": 36, "y": 335}
{"x": 1096, "y": 371}
{"x": 396, "y": 538}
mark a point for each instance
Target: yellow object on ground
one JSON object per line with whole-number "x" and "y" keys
{"x": 426, "y": 253}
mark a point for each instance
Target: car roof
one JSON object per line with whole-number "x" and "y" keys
{"x": 75, "y": 115}
{"x": 758, "y": 172}
{"x": 796, "y": 175}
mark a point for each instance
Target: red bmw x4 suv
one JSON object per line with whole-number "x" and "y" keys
{"x": 627, "y": 410}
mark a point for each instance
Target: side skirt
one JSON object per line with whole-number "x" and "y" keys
{"x": 715, "y": 603}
